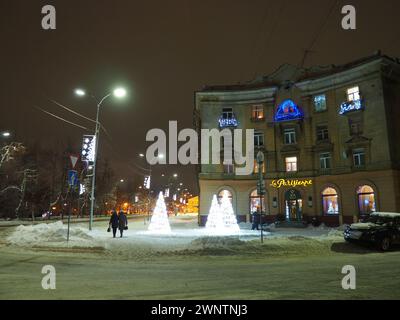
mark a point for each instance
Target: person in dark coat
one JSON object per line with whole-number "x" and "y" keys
{"x": 256, "y": 219}
{"x": 114, "y": 222}
{"x": 123, "y": 222}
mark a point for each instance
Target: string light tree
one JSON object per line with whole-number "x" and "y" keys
{"x": 214, "y": 222}
{"x": 228, "y": 216}
{"x": 159, "y": 220}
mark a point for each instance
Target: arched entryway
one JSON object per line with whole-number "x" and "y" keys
{"x": 293, "y": 205}
{"x": 366, "y": 200}
{"x": 221, "y": 194}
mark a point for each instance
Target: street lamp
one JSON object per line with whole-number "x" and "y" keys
{"x": 118, "y": 93}
{"x": 5, "y": 134}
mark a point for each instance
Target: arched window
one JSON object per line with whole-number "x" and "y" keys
{"x": 366, "y": 199}
{"x": 330, "y": 201}
{"x": 221, "y": 194}
{"x": 255, "y": 202}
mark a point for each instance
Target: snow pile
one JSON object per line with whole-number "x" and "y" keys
{"x": 47, "y": 233}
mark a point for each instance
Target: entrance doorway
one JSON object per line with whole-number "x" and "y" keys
{"x": 293, "y": 205}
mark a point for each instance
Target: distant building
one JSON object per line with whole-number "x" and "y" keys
{"x": 335, "y": 130}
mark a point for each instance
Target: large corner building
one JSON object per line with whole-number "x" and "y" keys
{"x": 330, "y": 138}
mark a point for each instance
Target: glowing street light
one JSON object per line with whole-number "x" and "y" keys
{"x": 118, "y": 93}
{"x": 5, "y": 134}
{"x": 175, "y": 175}
{"x": 80, "y": 92}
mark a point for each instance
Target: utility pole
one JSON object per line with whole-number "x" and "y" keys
{"x": 260, "y": 187}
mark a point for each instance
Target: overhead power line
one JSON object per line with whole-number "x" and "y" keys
{"x": 62, "y": 119}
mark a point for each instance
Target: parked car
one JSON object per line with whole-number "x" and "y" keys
{"x": 381, "y": 229}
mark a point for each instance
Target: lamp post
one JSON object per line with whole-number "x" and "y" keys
{"x": 118, "y": 93}
{"x": 260, "y": 187}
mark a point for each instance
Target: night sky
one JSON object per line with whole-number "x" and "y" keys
{"x": 161, "y": 52}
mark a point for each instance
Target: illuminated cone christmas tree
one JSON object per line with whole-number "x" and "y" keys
{"x": 214, "y": 219}
{"x": 159, "y": 221}
{"x": 228, "y": 216}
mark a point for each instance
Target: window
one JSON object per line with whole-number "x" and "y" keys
{"x": 322, "y": 133}
{"x": 291, "y": 164}
{"x": 257, "y": 112}
{"x": 355, "y": 127}
{"x": 221, "y": 194}
{"x": 227, "y": 113}
{"x": 353, "y": 94}
{"x": 228, "y": 168}
{"x": 258, "y": 138}
{"x": 289, "y": 136}
{"x": 359, "y": 157}
{"x": 366, "y": 199}
{"x": 325, "y": 160}
{"x": 330, "y": 203}
{"x": 255, "y": 202}
{"x": 256, "y": 167}
{"x": 320, "y": 103}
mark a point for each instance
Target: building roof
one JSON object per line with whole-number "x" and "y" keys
{"x": 287, "y": 74}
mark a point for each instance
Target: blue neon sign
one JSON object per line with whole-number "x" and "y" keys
{"x": 349, "y": 106}
{"x": 288, "y": 110}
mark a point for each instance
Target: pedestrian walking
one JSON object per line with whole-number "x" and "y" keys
{"x": 114, "y": 222}
{"x": 122, "y": 222}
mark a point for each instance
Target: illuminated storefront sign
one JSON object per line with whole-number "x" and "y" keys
{"x": 349, "y": 106}
{"x": 287, "y": 111}
{"x": 290, "y": 183}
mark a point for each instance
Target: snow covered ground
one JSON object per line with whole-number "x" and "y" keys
{"x": 186, "y": 237}
{"x": 189, "y": 264}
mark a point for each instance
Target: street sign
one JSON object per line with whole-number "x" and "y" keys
{"x": 74, "y": 160}
{"x": 73, "y": 178}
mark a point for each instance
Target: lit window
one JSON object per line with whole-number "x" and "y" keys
{"x": 366, "y": 200}
{"x": 258, "y": 138}
{"x": 325, "y": 160}
{"x": 291, "y": 164}
{"x": 289, "y": 136}
{"x": 255, "y": 202}
{"x": 221, "y": 194}
{"x": 330, "y": 202}
{"x": 353, "y": 94}
{"x": 320, "y": 103}
{"x": 359, "y": 157}
{"x": 257, "y": 112}
{"x": 322, "y": 133}
{"x": 256, "y": 167}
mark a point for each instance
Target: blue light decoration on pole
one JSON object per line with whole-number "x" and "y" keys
{"x": 287, "y": 111}
{"x": 350, "y": 106}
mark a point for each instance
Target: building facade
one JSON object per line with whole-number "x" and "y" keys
{"x": 329, "y": 136}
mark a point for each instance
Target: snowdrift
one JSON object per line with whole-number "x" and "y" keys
{"x": 49, "y": 233}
